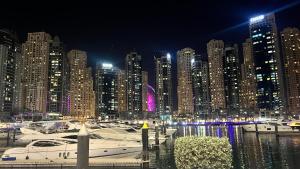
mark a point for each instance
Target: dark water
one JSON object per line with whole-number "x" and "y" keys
{"x": 265, "y": 151}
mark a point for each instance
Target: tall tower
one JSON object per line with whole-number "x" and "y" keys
{"x": 232, "y": 78}
{"x": 106, "y": 86}
{"x": 290, "y": 40}
{"x": 248, "y": 82}
{"x": 201, "y": 86}
{"x": 9, "y": 53}
{"x": 57, "y": 82}
{"x": 18, "y": 98}
{"x": 144, "y": 91}
{"x": 122, "y": 99}
{"x": 263, "y": 33}
{"x": 163, "y": 81}
{"x": 184, "y": 75}
{"x": 82, "y": 96}
{"x": 134, "y": 84}
{"x": 36, "y": 58}
{"x": 215, "y": 52}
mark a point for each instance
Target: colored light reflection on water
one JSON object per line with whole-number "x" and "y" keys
{"x": 249, "y": 151}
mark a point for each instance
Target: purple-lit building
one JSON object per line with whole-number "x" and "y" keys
{"x": 151, "y": 99}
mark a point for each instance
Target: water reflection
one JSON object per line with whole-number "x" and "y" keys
{"x": 248, "y": 149}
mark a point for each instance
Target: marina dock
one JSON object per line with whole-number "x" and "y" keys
{"x": 124, "y": 161}
{"x": 281, "y": 134}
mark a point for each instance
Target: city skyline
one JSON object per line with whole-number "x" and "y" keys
{"x": 150, "y": 84}
{"x": 110, "y": 37}
{"x": 47, "y": 88}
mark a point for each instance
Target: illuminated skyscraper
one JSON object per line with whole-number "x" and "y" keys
{"x": 35, "y": 53}
{"x": 248, "y": 83}
{"x": 106, "y": 89}
{"x": 82, "y": 96}
{"x": 201, "y": 86}
{"x": 163, "y": 81}
{"x": 57, "y": 78}
{"x": 19, "y": 100}
{"x": 151, "y": 105}
{"x": 215, "y": 52}
{"x": 144, "y": 91}
{"x": 134, "y": 84}
{"x": 290, "y": 40}
{"x": 232, "y": 78}
{"x": 122, "y": 99}
{"x": 9, "y": 53}
{"x": 269, "y": 82}
{"x": 184, "y": 75}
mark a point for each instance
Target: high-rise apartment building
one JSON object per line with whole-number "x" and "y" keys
{"x": 163, "y": 80}
{"x": 35, "y": 53}
{"x": 106, "y": 90}
{"x": 81, "y": 94}
{"x": 9, "y": 53}
{"x": 57, "y": 78}
{"x": 122, "y": 95}
{"x": 248, "y": 83}
{"x": 215, "y": 52}
{"x": 269, "y": 82}
{"x": 290, "y": 40}
{"x": 134, "y": 84}
{"x": 184, "y": 76}
{"x": 201, "y": 92}
{"x": 18, "y": 99}
{"x": 232, "y": 78}
{"x": 144, "y": 91}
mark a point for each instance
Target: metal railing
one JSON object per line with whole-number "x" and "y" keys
{"x": 70, "y": 166}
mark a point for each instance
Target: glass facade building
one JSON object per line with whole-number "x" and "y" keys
{"x": 106, "y": 88}
{"x": 269, "y": 84}
{"x": 232, "y": 78}
{"x": 201, "y": 92}
{"x": 134, "y": 85}
{"x": 57, "y": 78}
{"x": 9, "y": 52}
{"x": 163, "y": 84}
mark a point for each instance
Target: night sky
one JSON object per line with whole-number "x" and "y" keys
{"x": 108, "y": 30}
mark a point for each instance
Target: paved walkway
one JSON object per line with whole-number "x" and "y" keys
{"x": 130, "y": 160}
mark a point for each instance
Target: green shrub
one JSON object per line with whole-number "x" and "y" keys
{"x": 203, "y": 152}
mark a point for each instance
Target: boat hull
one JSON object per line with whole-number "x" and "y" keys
{"x": 62, "y": 153}
{"x": 266, "y": 128}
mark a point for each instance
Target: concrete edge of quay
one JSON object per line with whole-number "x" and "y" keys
{"x": 119, "y": 161}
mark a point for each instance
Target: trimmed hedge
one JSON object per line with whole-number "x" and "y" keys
{"x": 203, "y": 152}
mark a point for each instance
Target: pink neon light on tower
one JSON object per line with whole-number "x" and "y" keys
{"x": 151, "y": 99}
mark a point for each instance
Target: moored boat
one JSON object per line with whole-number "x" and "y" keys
{"x": 295, "y": 124}
{"x": 67, "y": 149}
{"x": 279, "y": 126}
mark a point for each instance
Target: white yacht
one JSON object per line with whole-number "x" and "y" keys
{"x": 95, "y": 138}
{"x": 294, "y": 124}
{"x": 49, "y": 127}
{"x": 270, "y": 127}
{"x": 67, "y": 149}
{"x": 129, "y": 134}
{"x": 170, "y": 131}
